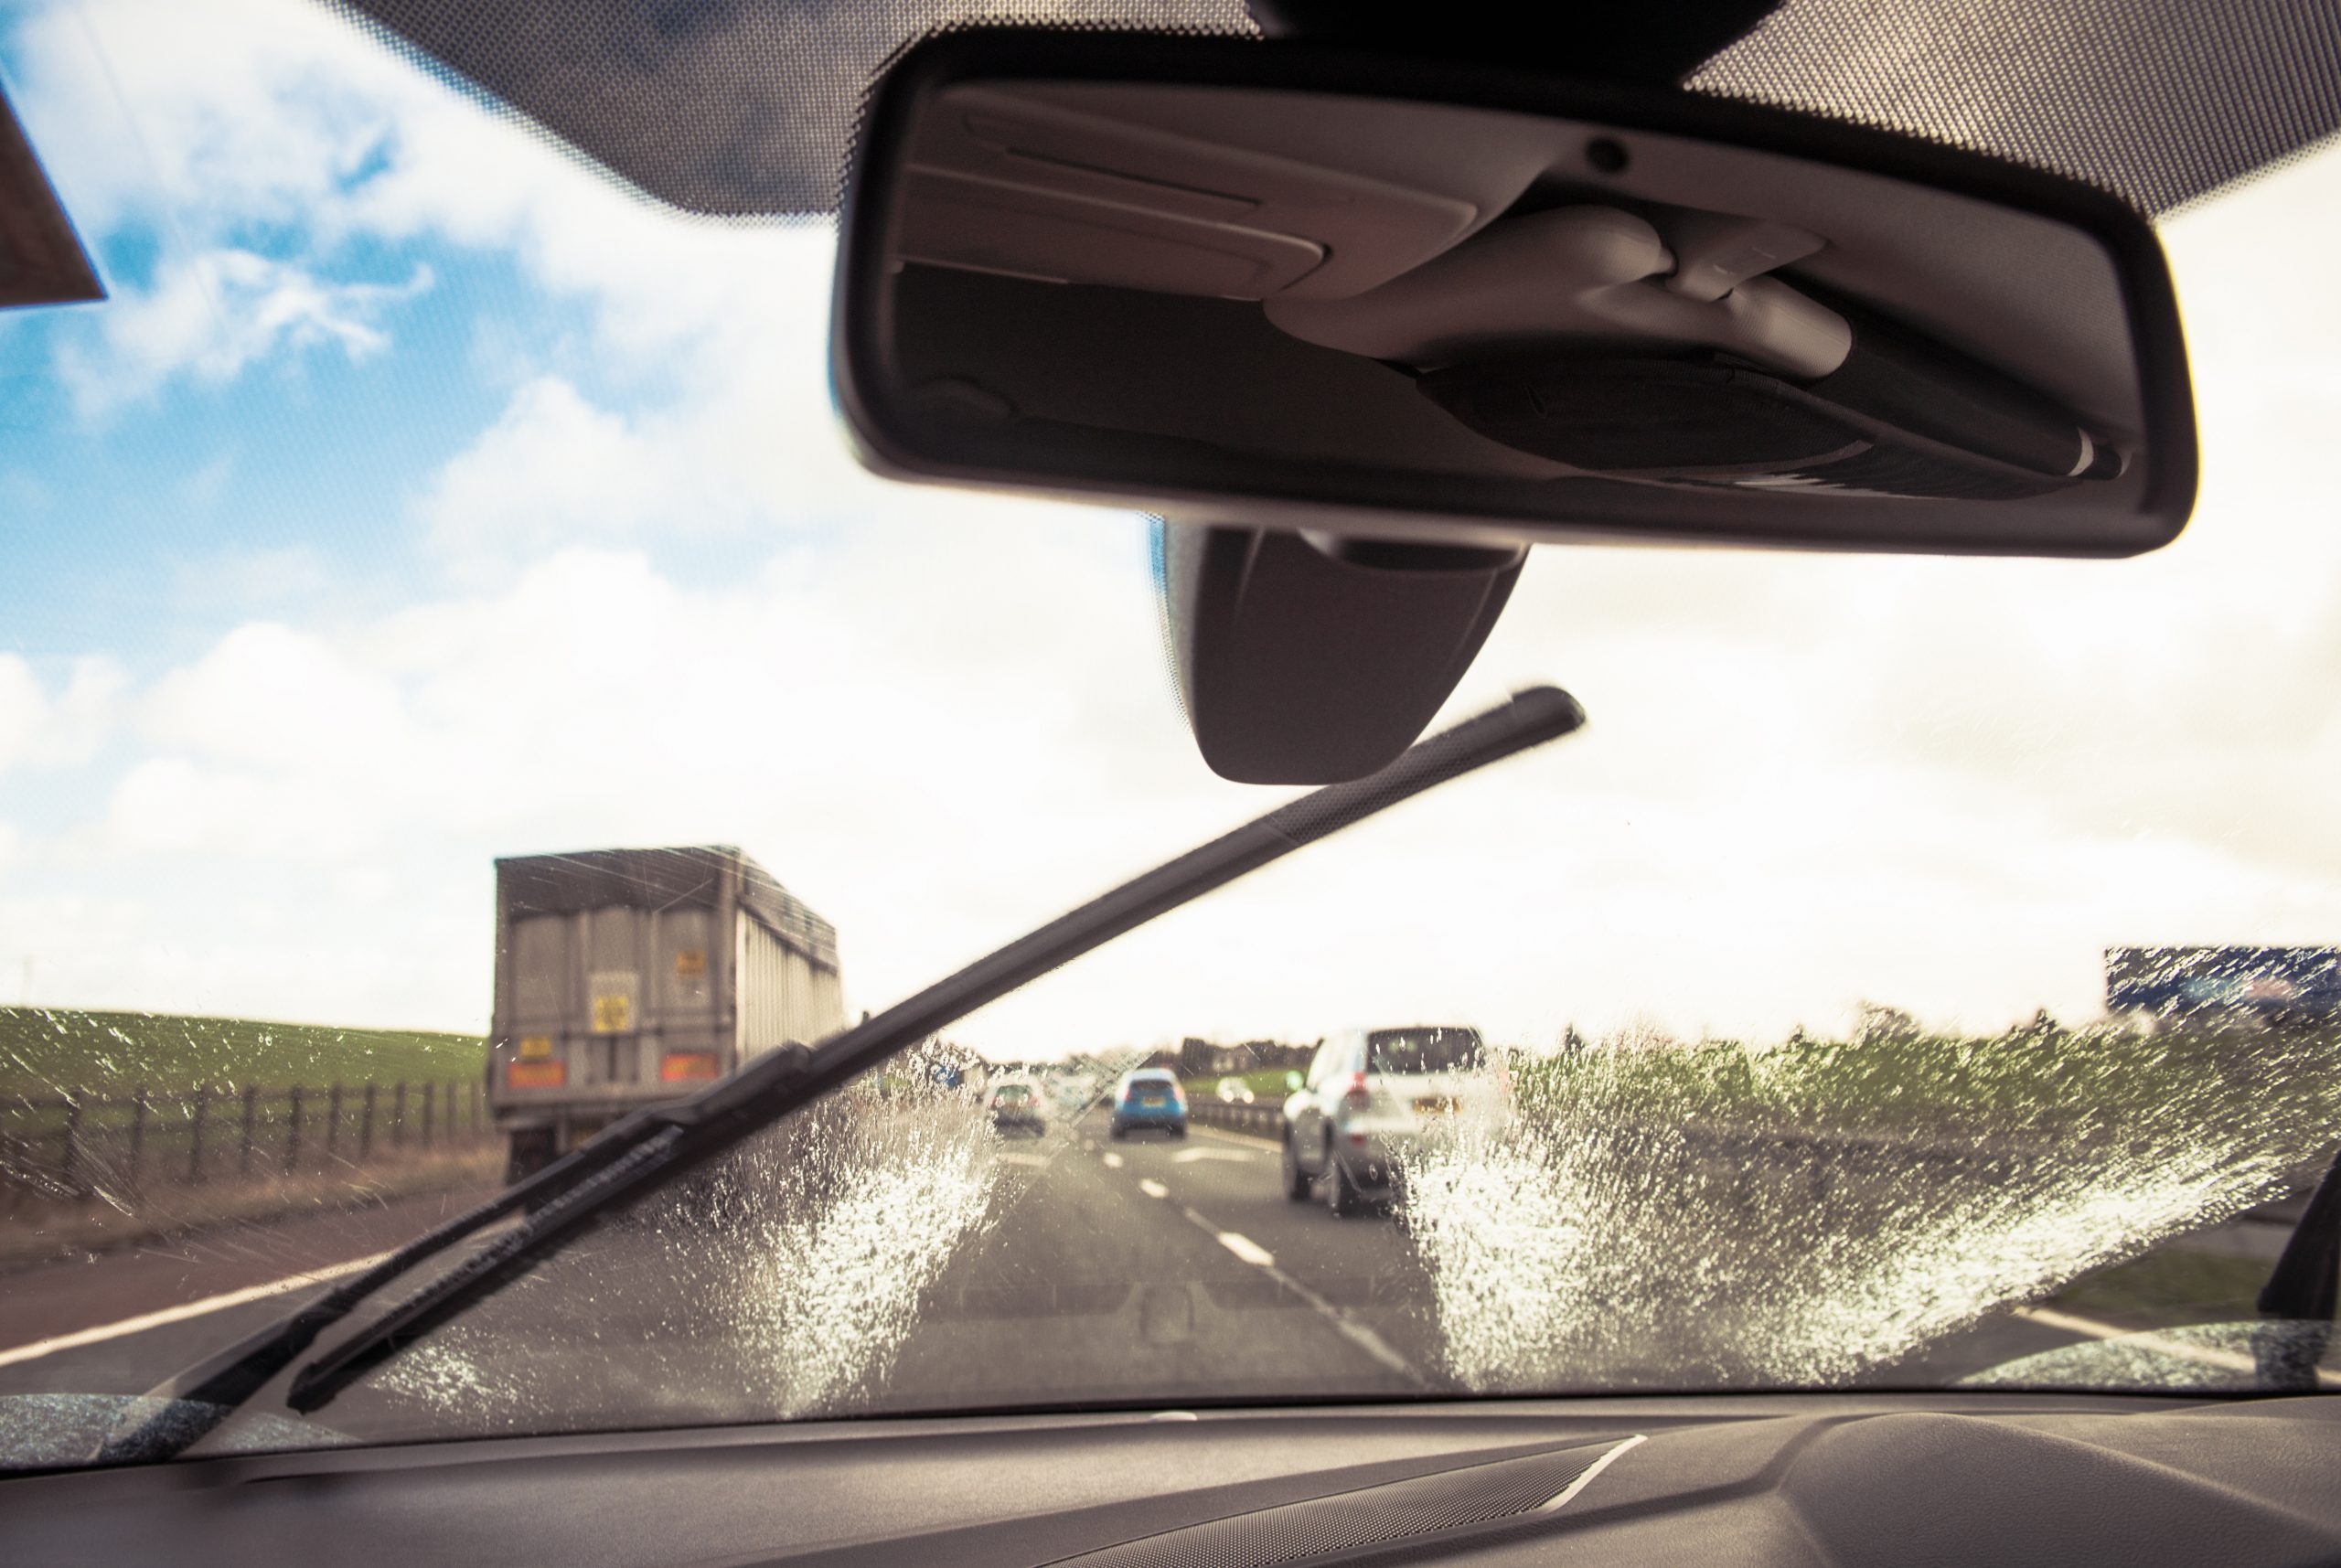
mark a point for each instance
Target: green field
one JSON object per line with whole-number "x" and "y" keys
{"x": 1267, "y": 1084}
{"x": 2042, "y": 1082}
{"x": 43, "y": 1050}
{"x": 2172, "y": 1285}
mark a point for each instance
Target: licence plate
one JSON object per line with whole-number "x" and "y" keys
{"x": 1437, "y": 1105}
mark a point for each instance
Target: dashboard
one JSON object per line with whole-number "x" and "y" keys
{"x": 1789, "y": 1479}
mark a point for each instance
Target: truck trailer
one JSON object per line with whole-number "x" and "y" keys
{"x": 627, "y": 977}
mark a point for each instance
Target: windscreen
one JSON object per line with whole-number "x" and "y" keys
{"x": 1919, "y": 972}
{"x": 1419, "y": 1051}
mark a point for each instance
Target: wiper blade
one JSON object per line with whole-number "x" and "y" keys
{"x": 2302, "y": 1293}
{"x": 649, "y": 1148}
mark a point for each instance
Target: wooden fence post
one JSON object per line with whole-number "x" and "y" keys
{"x": 72, "y": 1142}
{"x": 293, "y": 1133}
{"x": 195, "y": 1137}
{"x": 366, "y": 1127}
{"x": 333, "y": 1122}
{"x": 252, "y": 1110}
{"x": 429, "y": 1094}
{"x": 137, "y": 1134}
{"x": 398, "y": 1117}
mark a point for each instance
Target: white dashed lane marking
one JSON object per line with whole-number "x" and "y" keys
{"x": 1245, "y": 1247}
{"x": 1259, "y": 1257}
{"x": 1188, "y": 1156}
{"x": 1357, "y": 1333}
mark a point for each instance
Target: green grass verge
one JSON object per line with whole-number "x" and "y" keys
{"x": 2171, "y": 1286}
{"x": 1267, "y": 1084}
{"x": 2043, "y": 1084}
{"x": 44, "y": 1049}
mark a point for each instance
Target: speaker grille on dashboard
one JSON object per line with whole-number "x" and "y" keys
{"x": 1294, "y": 1532}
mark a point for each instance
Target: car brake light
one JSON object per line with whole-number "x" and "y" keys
{"x": 686, "y": 1066}
{"x": 1357, "y": 1098}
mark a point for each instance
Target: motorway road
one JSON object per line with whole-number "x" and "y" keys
{"x": 1172, "y": 1265}
{"x": 119, "y": 1322}
{"x": 1152, "y": 1269}
{"x": 1175, "y": 1265}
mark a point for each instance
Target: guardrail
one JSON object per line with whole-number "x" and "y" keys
{"x": 67, "y": 1146}
{"x": 1260, "y": 1118}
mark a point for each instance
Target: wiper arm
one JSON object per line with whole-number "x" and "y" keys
{"x": 2302, "y": 1293}
{"x": 647, "y": 1149}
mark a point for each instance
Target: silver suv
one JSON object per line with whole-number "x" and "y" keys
{"x": 1368, "y": 1094}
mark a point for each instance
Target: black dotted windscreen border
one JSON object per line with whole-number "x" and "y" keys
{"x": 2159, "y": 101}
{"x": 747, "y": 109}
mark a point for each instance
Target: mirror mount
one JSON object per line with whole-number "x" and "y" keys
{"x": 1613, "y": 40}
{"x": 1307, "y": 658}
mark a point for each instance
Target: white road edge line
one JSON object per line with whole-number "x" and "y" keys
{"x": 1245, "y": 1247}
{"x": 1561, "y": 1499}
{"x": 170, "y": 1314}
{"x": 1153, "y": 1188}
{"x": 2225, "y": 1361}
{"x": 1357, "y": 1333}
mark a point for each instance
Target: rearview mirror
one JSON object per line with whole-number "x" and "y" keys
{"x": 1307, "y": 290}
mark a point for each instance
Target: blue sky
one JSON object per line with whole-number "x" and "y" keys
{"x": 421, "y": 498}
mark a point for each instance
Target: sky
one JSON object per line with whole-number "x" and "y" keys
{"x": 421, "y": 496}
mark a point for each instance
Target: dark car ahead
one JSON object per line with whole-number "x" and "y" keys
{"x": 1149, "y": 1098}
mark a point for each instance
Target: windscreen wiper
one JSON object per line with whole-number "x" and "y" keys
{"x": 2303, "y": 1292}
{"x": 647, "y": 1149}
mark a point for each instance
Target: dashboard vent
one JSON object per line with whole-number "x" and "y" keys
{"x": 1371, "y": 1516}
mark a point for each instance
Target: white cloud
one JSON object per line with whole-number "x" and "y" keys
{"x": 552, "y": 470}
{"x": 213, "y": 315}
{"x": 210, "y": 118}
{"x": 942, "y": 718}
{"x": 41, "y": 727}
{"x": 274, "y": 696}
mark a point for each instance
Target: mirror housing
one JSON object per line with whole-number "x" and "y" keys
{"x": 1344, "y": 293}
{"x": 1310, "y": 659}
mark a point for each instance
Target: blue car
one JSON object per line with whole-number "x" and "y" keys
{"x": 1150, "y": 1097}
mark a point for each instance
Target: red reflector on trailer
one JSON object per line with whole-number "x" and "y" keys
{"x": 539, "y": 1074}
{"x": 686, "y": 1066}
